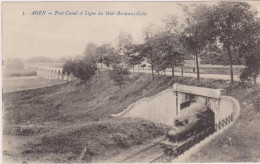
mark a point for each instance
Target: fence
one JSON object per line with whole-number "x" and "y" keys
{"x": 224, "y": 122}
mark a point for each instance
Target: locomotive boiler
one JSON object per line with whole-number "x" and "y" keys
{"x": 191, "y": 122}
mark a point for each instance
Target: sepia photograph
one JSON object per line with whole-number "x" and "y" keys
{"x": 130, "y": 82}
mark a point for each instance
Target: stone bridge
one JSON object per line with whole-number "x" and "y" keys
{"x": 51, "y": 73}
{"x": 164, "y": 107}
{"x": 185, "y": 95}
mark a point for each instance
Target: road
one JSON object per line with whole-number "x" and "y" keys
{"x": 206, "y": 76}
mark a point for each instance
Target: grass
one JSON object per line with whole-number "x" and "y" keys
{"x": 39, "y": 112}
{"x": 62, "y": 120}
{"x": 244, "y": 134}
{"x": 102, "y": 140}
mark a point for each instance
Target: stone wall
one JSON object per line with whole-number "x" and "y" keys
{"x": 159, "y": 108}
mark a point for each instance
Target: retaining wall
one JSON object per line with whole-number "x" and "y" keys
{"x": 159, "y": 108}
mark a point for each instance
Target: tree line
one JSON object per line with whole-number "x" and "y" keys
{"x": 226, "y": 30}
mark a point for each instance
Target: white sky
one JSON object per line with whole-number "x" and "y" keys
{"x": 63, "y": 36}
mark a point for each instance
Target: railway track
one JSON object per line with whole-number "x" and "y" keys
{"x": 145, "y": 153}
{"x": 182, "y": 147}
{"x": 154, "y": 153}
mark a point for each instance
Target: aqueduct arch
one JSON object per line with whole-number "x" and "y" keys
{"x": 51, "y": 73}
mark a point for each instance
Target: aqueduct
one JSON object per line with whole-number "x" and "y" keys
{"x": 52, "y": 73}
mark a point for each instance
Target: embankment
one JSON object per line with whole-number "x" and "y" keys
{"x": 58, "y": 107}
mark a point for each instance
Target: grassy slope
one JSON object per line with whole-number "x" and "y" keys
{"x": 102, "y": 140}
{"x": 72, "y": 103}
{"x": 40, "y": 114}
{"x": 57, "y": 107}
{"x": 244, "y": 134}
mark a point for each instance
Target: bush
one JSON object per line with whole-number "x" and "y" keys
{"x": 119, "y": 75}
{"x": 83, "y": 69}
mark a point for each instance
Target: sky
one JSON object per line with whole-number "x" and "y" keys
{"x": 25, "y": 35}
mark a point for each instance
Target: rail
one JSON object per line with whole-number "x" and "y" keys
{"x": 167, "y": 157}
{"x": 144, "y": 149}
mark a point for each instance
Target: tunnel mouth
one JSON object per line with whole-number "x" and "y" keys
{"x": 186, "y": 104}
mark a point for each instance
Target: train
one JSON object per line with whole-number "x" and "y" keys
{"x": 189, "y": 124}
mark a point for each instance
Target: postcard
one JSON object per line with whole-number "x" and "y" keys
{"x": 130, "y": 82}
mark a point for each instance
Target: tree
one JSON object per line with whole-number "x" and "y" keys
{"x": 124, "y": 45}
{"x": 198, "y": 31}
{"x": 83, "y": 69}
{"x": 167, "y": 46}
{"x": 112, "y": 58}
{"x": 220, "y": 58}
{"x": 135, "y": 59}
{"x": 119, "y": 75}
{"x": 176, "y": 29}
{"x": 102, "y": 51}
{"x": 69, "y": 67}
{"x": 147, "y": 49}
{"x": 252, "y": 63}
{"x": 211, "y": 55}
{"x": 108, "y": 55}
{"x": 133, "y": 55}
{"x": 91, "y": 52}
{"x": 234, "y": 21}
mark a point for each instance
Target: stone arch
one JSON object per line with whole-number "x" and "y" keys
{"x": 52, "y": 73}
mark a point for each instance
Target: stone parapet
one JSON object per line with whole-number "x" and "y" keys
{"x": 206, "y": 92}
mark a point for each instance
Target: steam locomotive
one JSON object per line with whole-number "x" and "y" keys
{"x": 187, "y": 126}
